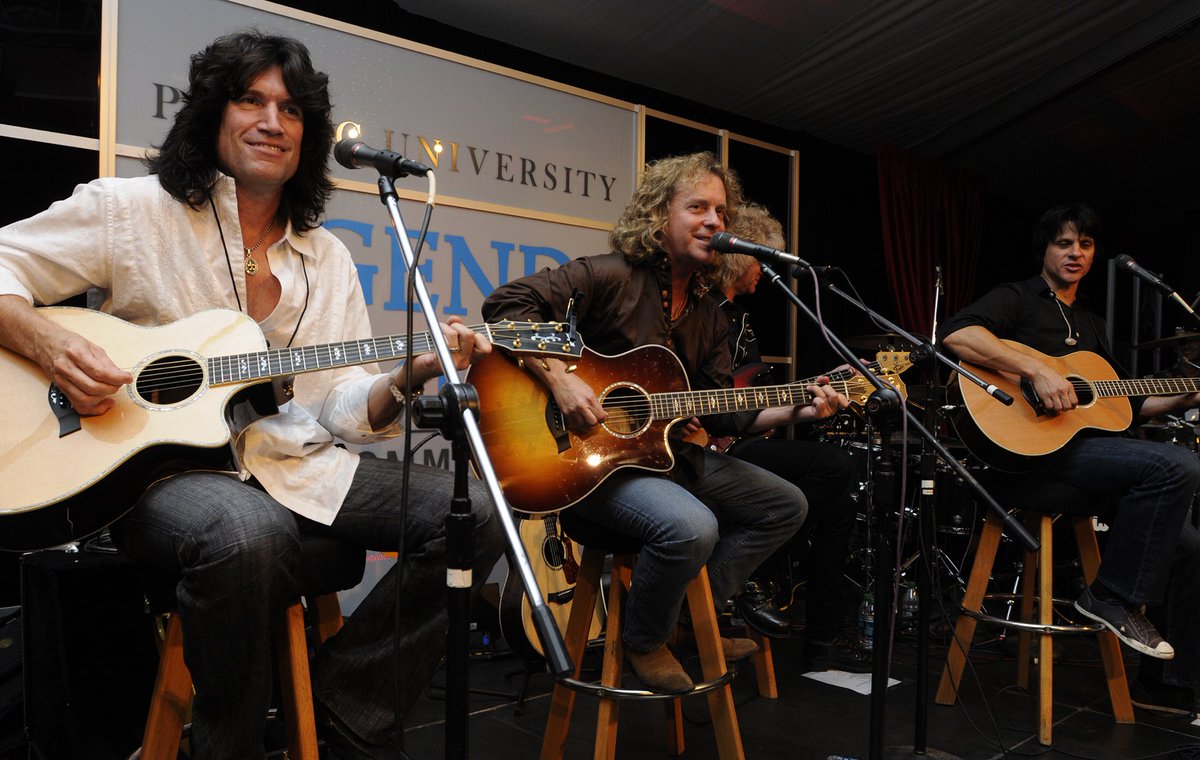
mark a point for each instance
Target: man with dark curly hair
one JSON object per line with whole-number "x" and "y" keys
{"x": 651, "y": 290}
{"x": 243, "y": 172}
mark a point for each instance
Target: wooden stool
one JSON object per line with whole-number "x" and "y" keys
{"x": 330, "y": 566}
{"x": 708, "y": 641}
{"x": 1038, "y": 571}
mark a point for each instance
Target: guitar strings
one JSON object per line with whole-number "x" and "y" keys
{"x": 165, "y": 370}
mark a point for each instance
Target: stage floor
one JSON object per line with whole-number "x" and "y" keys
{"x": 815, "y": 721}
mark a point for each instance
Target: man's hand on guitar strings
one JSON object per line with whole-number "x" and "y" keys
{"x": 84, "y": 372}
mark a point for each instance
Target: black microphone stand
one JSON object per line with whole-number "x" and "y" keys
{"x": 453, "y": 413}
{"x": 883, "y": 406}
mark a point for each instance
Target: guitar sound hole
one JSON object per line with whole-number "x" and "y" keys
{"x": 553, "y": 552}
{"x": 169, "y": 380}
{"x": 1083, "y": 391}
{"x": 628, "y": 410}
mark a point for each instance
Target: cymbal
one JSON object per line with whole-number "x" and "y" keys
{"x": 880, "y": 342}
{"x": 1170, "y": 340}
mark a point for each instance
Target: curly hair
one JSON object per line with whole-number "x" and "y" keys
{"x": 755, "y": 223}
{"x": 641, "y": 230}
{"x": 187, "y": 165}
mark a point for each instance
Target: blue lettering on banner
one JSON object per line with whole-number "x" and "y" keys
{"x": 398, "y": 302}
{"x": 462, "y": 258}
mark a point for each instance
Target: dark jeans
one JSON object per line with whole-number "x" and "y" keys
{"x": 1152, "y": 485}
{"x": 236, "y": 551}
{"x": 680, "y": 533}
{"x": 826, "y": 475}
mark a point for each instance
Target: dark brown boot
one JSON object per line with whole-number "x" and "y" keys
{"x": 659, "y": 671}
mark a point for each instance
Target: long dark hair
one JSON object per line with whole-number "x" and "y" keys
{"x": 186, "y": 164}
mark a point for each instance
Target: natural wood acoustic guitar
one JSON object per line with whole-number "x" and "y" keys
{"x": 1009, "y": 438}
{"x": 64, "y": 476}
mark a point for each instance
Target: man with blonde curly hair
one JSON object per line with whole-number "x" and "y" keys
{"x": 651, "y": 290}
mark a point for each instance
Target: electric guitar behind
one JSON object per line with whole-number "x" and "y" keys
{"x": 887, "y": 365}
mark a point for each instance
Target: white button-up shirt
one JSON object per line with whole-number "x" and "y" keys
{"x": 155, "y": 260}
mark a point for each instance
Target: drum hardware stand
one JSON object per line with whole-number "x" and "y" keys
{"x": 883, "y": 401}
{"x": 453, "y": 412}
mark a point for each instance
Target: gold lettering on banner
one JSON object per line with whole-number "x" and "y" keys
{"x": 511, "y": 169}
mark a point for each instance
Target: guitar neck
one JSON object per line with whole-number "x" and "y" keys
{"x": 533, "y": 337}
{"x": 683, "y": 404}
{"x": 1149, "y": 386}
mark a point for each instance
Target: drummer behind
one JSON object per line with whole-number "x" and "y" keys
{"x": 1145, "y": 488}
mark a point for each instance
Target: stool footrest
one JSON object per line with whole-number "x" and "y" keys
{"x": 610, "y": 692}
{"x": 1053, "y": 630}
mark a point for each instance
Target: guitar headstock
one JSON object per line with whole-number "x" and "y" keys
{"x": 893, "y": 362}
{"x": 859, "y": 388}
{"x": 536, "y": 338}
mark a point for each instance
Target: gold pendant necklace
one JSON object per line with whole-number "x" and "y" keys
{"x": 251, "y": 264}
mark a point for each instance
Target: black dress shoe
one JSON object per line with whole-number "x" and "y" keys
{"x": 342, "y": 744}
{"x": 760, "y": 613}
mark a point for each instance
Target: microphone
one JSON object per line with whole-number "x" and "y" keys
{"x": 353, "y": 154}
{"x": 1126, "y": 261}
{"x": 726, "y": 242}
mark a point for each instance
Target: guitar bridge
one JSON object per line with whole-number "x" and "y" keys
{"x": 68, "y": 418}
{"x": 557, "y": 425}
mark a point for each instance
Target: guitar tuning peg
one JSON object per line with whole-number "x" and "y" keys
{"x": 520, "y": 362}
{"x": 572, "y": 367}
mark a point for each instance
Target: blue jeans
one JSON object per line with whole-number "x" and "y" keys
{"x": 236, "y": 551}
{"x": 1153, "y": 484}
{"x": 680, "y": 533}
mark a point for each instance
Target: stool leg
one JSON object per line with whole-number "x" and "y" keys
{"x": 1110, "y": 647}
{"x": 587, "y": 586}
{"x": 1029, "y": 576}
{"x": 296, "y": 684}
{"x": 327, "y": 616}
{"x": 964, "y": 629}
{"x": 1046, "y": 641}
{"x": 764, "y": 665}
{"x": 712, "y": 664}
{"x": 614, "y": 658}
{"x": 171, "y": 698}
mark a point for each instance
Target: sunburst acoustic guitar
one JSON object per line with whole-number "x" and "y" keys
{"x": 1010, "y": 438}
{"x": 64, "y": 476}
{"x": 542, "y": 466}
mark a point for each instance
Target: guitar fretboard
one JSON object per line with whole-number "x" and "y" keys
{"x": 673, "y": 406}
{"x": 280, "y": 362}
{"x": 1149, "y": 386}
{"x": 543, "y": 337}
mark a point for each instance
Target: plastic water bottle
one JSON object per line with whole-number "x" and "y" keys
{"x": 866, "y": 621}
{"x": 908, "y": 608}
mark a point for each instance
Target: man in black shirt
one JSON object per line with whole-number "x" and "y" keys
{"x": 1151, "y": 551}
{"x": 824, "y": 473}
